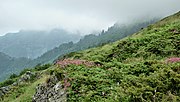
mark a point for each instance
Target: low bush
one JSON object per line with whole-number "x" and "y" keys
{"x": 13, "y": 76}
{"x": 42, "y": 67}
{"x": 24, "y": 71}
{"x": 7, "y": 82}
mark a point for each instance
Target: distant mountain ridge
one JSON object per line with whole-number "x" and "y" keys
{"x": 114, "y": 33}
{"x": 31, "y": 44}
{"x": 10, "y": 65}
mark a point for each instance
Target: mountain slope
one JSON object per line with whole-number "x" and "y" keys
{"x": 142, "y": 67}
{"x": 31, "y": 44}
{"x": 139, "y": 68}
{"x": 10, "y": 65}
{"x": 114, "y": 33}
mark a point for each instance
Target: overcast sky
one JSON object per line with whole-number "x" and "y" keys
{"x": 78, "y": 15}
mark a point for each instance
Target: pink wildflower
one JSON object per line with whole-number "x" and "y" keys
{"x": 173, "y": 60}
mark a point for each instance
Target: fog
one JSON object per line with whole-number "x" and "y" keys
{"x": 84, "y": 16}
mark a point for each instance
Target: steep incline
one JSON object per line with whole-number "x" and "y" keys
{"x": 114, "y": 33}
{"x": 140, "y": 68}
{"x": 47, "y": 40}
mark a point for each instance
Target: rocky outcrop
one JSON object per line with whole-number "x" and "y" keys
{"x": 24, "y": 78}
{"x": 51, "y": 91}
{"x": 4, "y": 90}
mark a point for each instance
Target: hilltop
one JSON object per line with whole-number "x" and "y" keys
{"x": 142, "y": 67}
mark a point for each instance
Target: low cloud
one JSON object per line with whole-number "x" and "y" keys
{"x": 84, "y": 16}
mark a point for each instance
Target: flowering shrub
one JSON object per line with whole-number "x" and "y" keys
{"x": 66, "y": 62}
{"x": 173, "y": 60}
{"x": 66, "y": 84}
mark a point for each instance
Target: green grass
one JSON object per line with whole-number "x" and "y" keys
{"x": 133, "y": 69}
{"x": 24, "y": 92}
{"x": 124, "y": 82}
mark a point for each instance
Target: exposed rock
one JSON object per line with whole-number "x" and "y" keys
{"x": 3, "y": 91}
{"x": 27, "y": 76}
{"x": 24, "y": 78}
{"x": 15, "y": 84}
{"x": 52, "y": 91}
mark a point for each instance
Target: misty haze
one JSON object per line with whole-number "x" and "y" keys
{"x": 89, "y": 51}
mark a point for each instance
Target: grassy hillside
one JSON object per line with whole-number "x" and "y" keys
{"x": 114, "y": 33}
{"x": 143, "y": 67}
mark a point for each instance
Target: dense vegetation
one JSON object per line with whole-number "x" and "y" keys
{"x": 133, "y": 69}
{"x": 143, "y": 67}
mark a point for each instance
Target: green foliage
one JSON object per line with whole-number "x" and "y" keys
{"x": 132, "y": 70}
{"x": 13, "y": 76}
{"x": 24, "y": 71}
{"x": 42, "y": 67}
{"x": 23, "y": 92}
{"x": 7, "y": 82}
{"x": 143, "y": 81}
{"x": 85, "y": 84}
{"x": 57, "y": 72}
